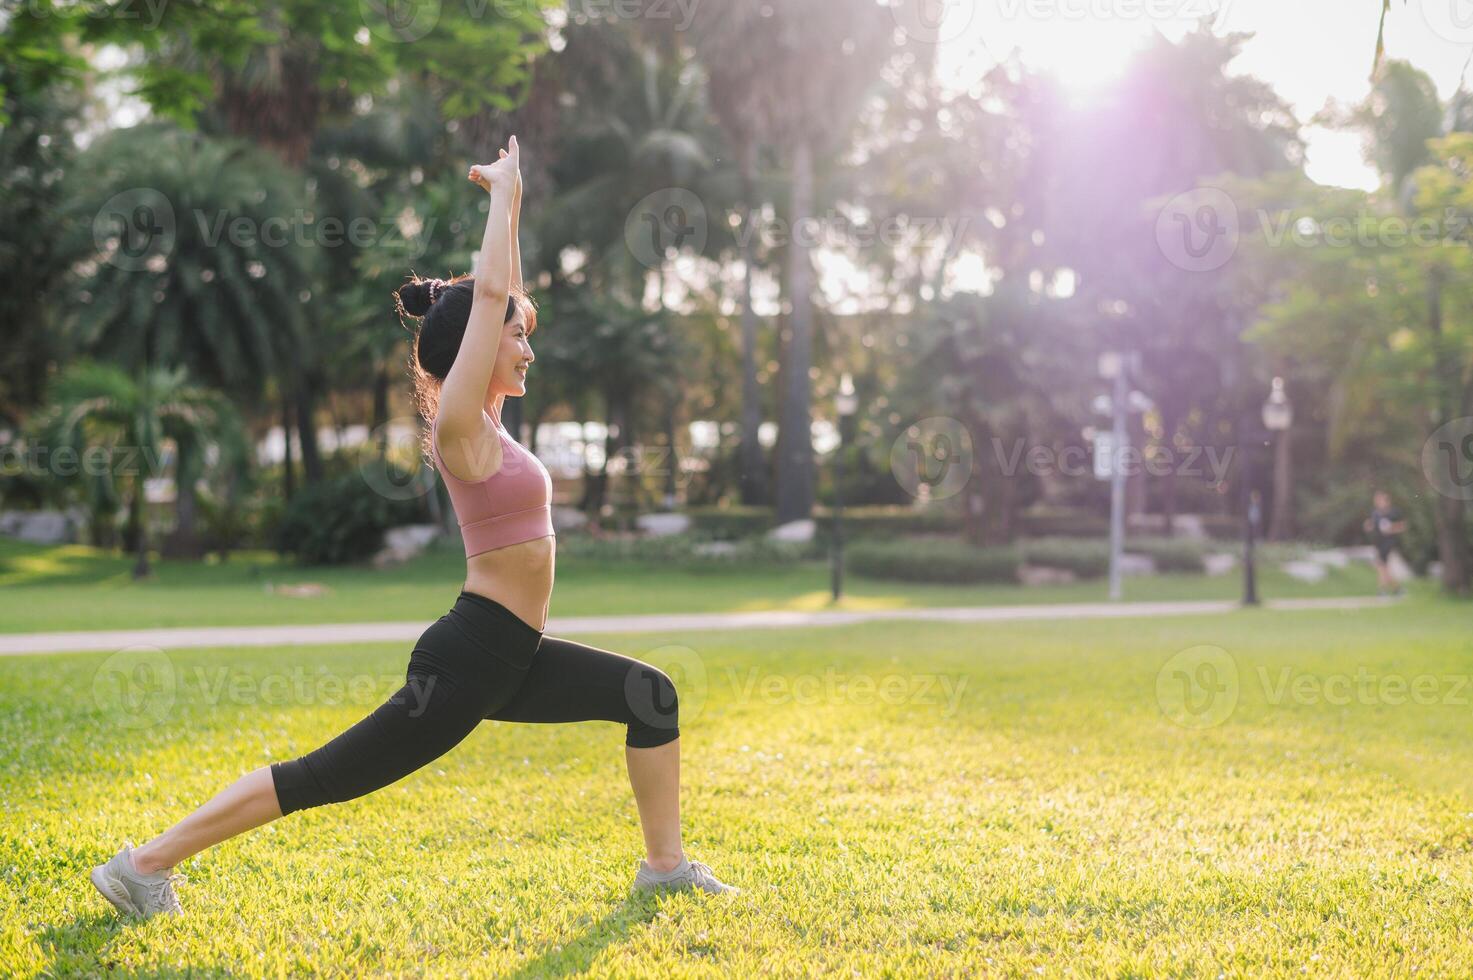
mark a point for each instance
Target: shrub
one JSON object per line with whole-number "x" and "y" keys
{"x": 1062, "y": 524}
{"x": 684, "y": 550}
{"x": 733, "y": 523}
{"x": 340, "y": 519}
{"x": 932, "y": 561}
{"x": 1170, "y": 554}
{"x": 1085, "y": 557}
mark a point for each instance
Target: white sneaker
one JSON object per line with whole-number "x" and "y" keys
{"x": 133, "y": 893}
{"x": 687, "y": 874}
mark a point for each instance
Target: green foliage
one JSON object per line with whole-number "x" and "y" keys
{"x": 691, "y": 551}
{"x": 735, "y": 522}
{"x": 201, "y": 258}
{"x": 1089, "y": 558}
{"x": 100, "y": 412}
{"x": 477, "y": 54}
{"x": 339, "y": 520}
{"x": 1085, "y": 557}
{"x": 932, "y": 560}
{"x": 1170, "y": 554}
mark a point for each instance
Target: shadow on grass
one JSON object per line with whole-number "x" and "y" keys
{"x": 637, "y": 909}
{"x": 80, "y": 948}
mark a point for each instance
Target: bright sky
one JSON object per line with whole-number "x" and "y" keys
{"x": 1310, "y": 51}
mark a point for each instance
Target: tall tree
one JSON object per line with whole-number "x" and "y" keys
{"x": 811, "y": 68}
{"x": 186, "y": 260}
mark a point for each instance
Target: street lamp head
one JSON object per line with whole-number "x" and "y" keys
{"x": 847, "y": 403}
{"x": 1278, "y": 412}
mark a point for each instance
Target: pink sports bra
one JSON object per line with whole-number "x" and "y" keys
{"x": 512, "y": 505}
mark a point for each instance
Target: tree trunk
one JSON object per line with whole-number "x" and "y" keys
{"x": 379, "y": 423}
{"x": 288, "y": 478}
{"x": 974, "y": 516}
{"x": 1448, "y": 518}
{"x": 672, "y": 461}
{"x": 1447, "y": 512}
{"x": 307, "y": 391}
{"x": 1135, "y": 483}
{"x": 185, "y": 541}
{"x": 1168, "y": 501}
{"x": 753, "y": 469}
{"x": 140, "y": 524}
{"x": 795, "y": 470}
{"x": 277, "y": 106}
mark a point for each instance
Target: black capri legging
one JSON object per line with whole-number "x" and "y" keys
{"x": 479, "y": 661}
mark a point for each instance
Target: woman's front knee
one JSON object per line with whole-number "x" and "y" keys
{"x": 654, "y": 705}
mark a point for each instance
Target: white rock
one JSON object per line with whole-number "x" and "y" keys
{"x": 39, "y": 526}
{"x": 1042, "y": 575}
{"x": 1189, "y": 526}
{"x": 1305, "y": 571}
{"x": 798, "y": 531}
{"x": 1434, "y": 571}
{"x": 715, "y": 549}
{"x": 405, "y": 542}
{"x": 1330, "y": 557}
{"x": 1363, "y": 552}
{"x": 661, "y": 525}
{"x": 1131, "y": 564}
{"x": 1219, "y": 563}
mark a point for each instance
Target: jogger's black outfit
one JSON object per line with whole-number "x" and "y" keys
{"x": 479, "y": 661}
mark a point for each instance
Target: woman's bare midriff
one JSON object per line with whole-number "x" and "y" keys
{"x": 518, "y": 576}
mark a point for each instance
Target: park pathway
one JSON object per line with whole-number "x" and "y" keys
{"x": 334, "y": 633}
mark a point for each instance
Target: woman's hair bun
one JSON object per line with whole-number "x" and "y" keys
{"x": 416, "y": 297}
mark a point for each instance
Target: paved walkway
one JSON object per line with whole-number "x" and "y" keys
{"x": 330, "y": 633}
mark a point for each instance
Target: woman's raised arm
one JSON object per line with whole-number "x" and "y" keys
{"x": 463, "y": 394}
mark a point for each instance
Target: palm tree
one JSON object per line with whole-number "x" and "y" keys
{"x": 190, "y": 255}
{"x": 731, "y": 65}
{"x": 808, "y": 67}
{"x": 100, "y": 406}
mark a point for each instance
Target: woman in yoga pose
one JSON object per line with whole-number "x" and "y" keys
{"x": 485, "y": 658}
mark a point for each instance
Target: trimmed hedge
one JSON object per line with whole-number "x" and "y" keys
{"x": 1171, "y": 554}
{"x": 680, "y": 549}
{"x": 1085, "y": 557}
{"x": 339, "y": 520}
{"x": 934, "y": 561}
{"x": 735, "y": 523}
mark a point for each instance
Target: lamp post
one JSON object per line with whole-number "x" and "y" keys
{"x": 1116, "y": 367}
{"x": 1277, "y": 416}
{"x": 845, "y": 405}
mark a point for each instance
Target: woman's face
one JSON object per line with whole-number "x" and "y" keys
{"x": 509, "y": 377}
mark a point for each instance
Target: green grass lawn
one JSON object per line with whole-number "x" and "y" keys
{"x": 1007, "y": 799}
{"x": 75, "y": 587}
